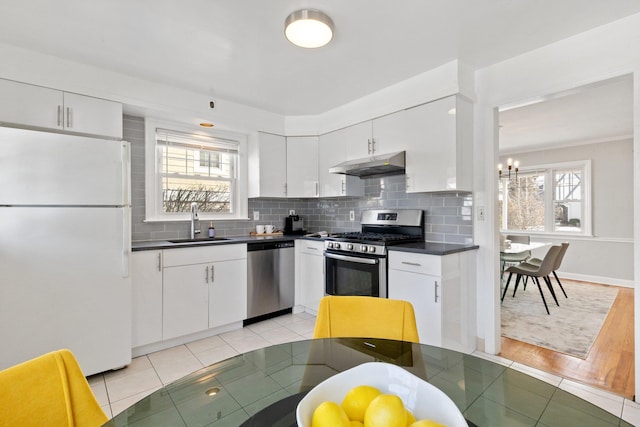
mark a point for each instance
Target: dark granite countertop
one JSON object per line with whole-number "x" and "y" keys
{"x": 185, "y": 243}
{"x": 432, "y": 248}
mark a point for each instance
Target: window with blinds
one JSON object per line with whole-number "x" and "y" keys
{"x": 196, "y": 168}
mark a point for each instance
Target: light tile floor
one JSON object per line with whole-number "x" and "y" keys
{"x": 117, "y": 390}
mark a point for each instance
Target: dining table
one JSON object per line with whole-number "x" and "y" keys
{"x": 263, "y": 387}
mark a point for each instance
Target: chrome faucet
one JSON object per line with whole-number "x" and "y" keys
{"x": 194, "y": 218}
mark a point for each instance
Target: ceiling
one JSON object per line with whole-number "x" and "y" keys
{"x": 596, "y": 113}
{"x": 235, "y": 49}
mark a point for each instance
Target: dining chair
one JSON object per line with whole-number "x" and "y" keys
{"x": 535, "y": 272}
{"x": 365, "y": 317}
{"x": 514, "y": 258}
{"x": 49, "y": 390}
{"x": 556, "y": 265}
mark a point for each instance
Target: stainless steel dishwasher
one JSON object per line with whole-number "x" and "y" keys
{"x": 270, "y": 277}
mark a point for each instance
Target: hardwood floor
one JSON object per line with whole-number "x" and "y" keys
{"x": 610, "y": 363}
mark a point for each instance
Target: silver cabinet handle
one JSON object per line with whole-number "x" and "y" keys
{"x": 342, "y": 182}
{"x": 415, "y": 264}
{"x": 435, "y": 291}
{"x": 313, "y": 249}
{"x": 59, "y": 115}
{"x": 68, "y": 117}
{"x": 206, "y": 274}
{"x": 368, "y": 146}
{"x": 373, "y": 146}
{"x": 406, "y": 182}
{"x": 285, "y": 188}
{"x": 317, "y": 193}
{"x": 159, "y": 261}
{"x": 212, "y": 276}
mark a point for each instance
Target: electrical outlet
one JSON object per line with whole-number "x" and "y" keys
{"x": 292, "y": 211}
{"x": 352, "y": 216}
{"x": 256, "y": 215}
{"x": 480, "y": 213}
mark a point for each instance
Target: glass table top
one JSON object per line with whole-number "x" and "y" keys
{"x": 264, "y": 386}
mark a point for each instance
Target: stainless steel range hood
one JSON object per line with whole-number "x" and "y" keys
{"x": 383, "y": 164}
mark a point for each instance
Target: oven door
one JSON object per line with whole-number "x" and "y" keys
{"x": 355, "y": 275}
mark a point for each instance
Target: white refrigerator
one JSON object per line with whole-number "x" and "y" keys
{"x": 65, "y": 244}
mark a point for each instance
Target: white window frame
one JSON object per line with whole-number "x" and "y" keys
{"x": 587, "y": 213}
{"x": 153, "y": 174}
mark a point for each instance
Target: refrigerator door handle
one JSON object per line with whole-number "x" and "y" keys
{"x": 126, "y": 241}
{"x": 126, "y": 173}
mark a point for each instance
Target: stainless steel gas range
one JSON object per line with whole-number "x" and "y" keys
{"x": 356, "y": 262}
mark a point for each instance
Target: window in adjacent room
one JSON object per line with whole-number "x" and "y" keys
{"x": 547, "y": 199}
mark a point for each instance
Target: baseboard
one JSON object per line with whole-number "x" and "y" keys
{"x": 163, "y": 345}
{"x": 597, "y": 279}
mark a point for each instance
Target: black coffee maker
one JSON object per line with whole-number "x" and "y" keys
{"x": 293, "y": 224}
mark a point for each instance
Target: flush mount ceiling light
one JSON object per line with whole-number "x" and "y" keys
{"x": 308, "y": 28}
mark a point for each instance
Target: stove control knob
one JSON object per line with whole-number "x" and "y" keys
{"x": 329, "y": 245}
{"x": 372, "y": 249}
{"x": 364, "y": 248}
{"x": 350, "y": 246}
{"x": 336, "y": 245}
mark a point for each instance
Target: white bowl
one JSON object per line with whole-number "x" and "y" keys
{"x": 420, "y": 397}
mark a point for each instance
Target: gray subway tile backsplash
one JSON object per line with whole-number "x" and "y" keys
{"x": 447, "y": 215}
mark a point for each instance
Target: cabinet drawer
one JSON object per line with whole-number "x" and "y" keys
{"x": 202, "y": 255}
{"x": 415, "y": 263}
{"x": 310, "y": 247}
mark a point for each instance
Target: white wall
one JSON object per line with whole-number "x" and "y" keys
{"x": 605, "y": 52}
{"x": 607, "y": 256}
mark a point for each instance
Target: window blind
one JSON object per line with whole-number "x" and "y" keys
{"x": 195, "y": 141}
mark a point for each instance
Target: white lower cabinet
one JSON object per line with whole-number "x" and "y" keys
{"x": 178, "y": 292}
{"x": 146, "y": 281}
{"x": 442, "y": 290}
{"x": 309, "y": 273}
{"x": 228, "y": 292}
{"x": 185, "y": 296}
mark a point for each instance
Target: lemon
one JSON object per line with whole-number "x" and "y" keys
{"x": 386, "y": 410}
{"x": 357, "y": 399}
{"x": 427, "y": 423}
{"x": 329, "y": 414}
{"x": 410, "y": 418}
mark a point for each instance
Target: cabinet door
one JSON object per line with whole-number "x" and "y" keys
{"x": 424, "y": 292}
{"x": 312, "y": 280}
{"x": 390, "y": 134}
{"x": 272, "y": 154}
{"x": 30, "y": 105}
{"x": 146, "y": 283}
{"x": 185, "y": 302}
{"x": 358, "y": 140}
{"x": 227, "y": 292}
{"x": 332, "y": 150}
{"x": 302, "y": 166}
{"x": 85, "y": 114}
{"x": 438, "y": 151}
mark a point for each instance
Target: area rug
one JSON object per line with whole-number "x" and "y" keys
{"x": 571, "y": 328}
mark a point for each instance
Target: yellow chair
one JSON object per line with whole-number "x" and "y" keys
{"x": 366, "y": 317}
{"x": 49, "y": 390}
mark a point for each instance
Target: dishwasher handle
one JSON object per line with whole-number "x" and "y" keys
{"x": 266, "y": 246}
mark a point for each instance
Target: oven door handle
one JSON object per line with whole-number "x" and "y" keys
{"x": 351, "y": 258}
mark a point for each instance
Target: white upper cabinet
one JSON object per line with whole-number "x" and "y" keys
{"x": 358, "y": 139}
{"x": 39, "y": 107}
{"x": 302, "y": 166}
{"x": 439, "y": 146}
{"x": 332, "y": 150}
{"x": 271, "y": 167}
{"x": 389, "y": 133}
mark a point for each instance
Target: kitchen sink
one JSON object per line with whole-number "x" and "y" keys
{"x": 199, "y": 241}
